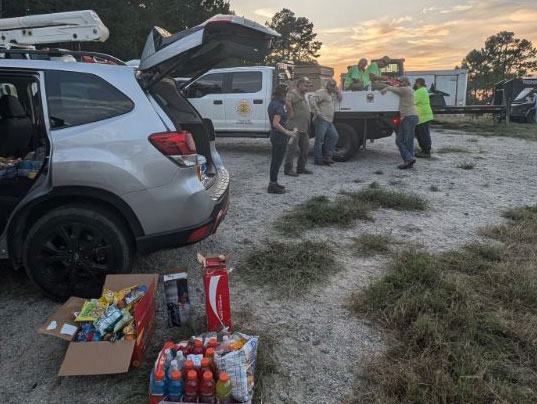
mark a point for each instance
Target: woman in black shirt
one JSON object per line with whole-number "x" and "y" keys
{"x": 279, "y": 136}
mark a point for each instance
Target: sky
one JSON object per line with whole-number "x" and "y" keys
{"x": 429, "y": 34}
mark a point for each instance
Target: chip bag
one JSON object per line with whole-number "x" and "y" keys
{"x": 92, "y": 310}
{"x": 240, "y": 366}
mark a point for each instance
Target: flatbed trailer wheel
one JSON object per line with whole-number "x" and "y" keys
{"x": 348, "y": 143}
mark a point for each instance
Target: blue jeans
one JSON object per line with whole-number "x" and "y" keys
{"x": 279, "y": 148}
{"x": 423, "y": 135}
{"x": 324, "y": 131}
{"x": 404, "y": 138}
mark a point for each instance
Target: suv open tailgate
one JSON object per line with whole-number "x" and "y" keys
{"x": 200, "y": 48}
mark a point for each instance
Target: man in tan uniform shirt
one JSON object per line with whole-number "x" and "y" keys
{"x": 404, "y": 137}
{"x": 299, "y": 117}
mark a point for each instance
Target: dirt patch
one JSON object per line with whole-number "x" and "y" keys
{"x": 318, "y": 340}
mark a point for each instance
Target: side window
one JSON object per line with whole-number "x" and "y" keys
{"x": 246, "y": 82}
{"x": 210, "y": 84}
{"x": 79, "y": 98}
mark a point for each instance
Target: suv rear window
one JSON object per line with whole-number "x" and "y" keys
{"x": 79, "y": 98}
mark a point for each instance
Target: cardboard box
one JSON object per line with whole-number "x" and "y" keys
{"x": 177, "y": 298}
{"x": 103, "y": 357}
{"x": 216, "y": 279}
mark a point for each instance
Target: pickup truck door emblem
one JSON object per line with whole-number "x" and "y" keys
{"x": 244, "y": 108}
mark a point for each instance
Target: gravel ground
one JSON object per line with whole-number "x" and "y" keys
{"x": 320, "y": 342}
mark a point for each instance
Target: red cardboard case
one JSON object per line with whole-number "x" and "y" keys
{"x": 217, "y": 301}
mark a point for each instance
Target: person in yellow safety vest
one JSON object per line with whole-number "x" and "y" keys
{"x": 377, "y": 81}
{"x": 425, "y": 115}
{"x": 357, "y": 77}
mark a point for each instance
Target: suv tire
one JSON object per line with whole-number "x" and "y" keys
{"x": 70, "y": 250}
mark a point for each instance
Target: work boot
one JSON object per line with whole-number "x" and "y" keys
{"x": 406, "y": 165}
{"x": 423, "y": 155}
{"x": 328, "y": 160}
{"x": 304, "y": 171}
{"x": 275, "y": 188}
{"x": 290, "y": 173}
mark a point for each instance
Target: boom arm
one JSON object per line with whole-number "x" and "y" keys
{"x": 73, "y": 26}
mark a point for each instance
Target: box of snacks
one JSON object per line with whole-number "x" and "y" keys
{"x": 108, "y": 334}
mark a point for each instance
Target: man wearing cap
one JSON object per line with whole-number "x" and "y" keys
{"x": 358, "y": 77}
{"x": 404, "y": 138}
{"x": 322, "y": 106}
{"x": 298, "y": 110}
{"x": 373, "y": 70}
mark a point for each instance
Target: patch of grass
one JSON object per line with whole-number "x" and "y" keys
{"x": 485, "y": 126}
{"x": 374, "y": 185}
{"x": 383, "y": 198}
{"x": 521, "y": 213}
{"x": 322, "y": 212}
{"x": 379, "y": 172}
{"x": 434, "y": 188}
{"x": 451, "y": 149}
{"x": 466, "y": 165}
{"x": 370, "y": 244}
{"x": 395, "y": 182}
{"x": 473, "y": 140}
{"x": 464, "y": 322}
{"x": 290, "y": 269}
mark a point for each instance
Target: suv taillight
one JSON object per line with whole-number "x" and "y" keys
{"x": 177, "y": 146}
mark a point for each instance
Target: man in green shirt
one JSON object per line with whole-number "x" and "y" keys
{"x": 425, "y": 115}
{"x": 358, "y": 77}
{"x": 377, "y": 81}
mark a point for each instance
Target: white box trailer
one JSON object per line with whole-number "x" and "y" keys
{"x": 453, "y": 82}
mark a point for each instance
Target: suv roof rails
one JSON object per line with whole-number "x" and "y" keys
{"x": 81, "y": 56}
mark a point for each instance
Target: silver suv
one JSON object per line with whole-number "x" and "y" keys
{"x": 99, "y": 161}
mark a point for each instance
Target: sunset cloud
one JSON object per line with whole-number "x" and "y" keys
{"x": 429, "y": 34}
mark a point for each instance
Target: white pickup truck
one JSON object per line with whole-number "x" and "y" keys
{"x": 236, "y": 100}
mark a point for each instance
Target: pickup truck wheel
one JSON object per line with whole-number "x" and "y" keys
{"x": 347, "y": 144}
{"x": 70, "y": 250}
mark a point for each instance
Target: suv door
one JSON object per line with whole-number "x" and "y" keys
{"x": 245, "y": 106}
{"x": 24, "y": 143}
{"x": 207, "y": 96}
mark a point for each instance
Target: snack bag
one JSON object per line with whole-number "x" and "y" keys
{"x": 92, "y": 310}
{"x": 240, "y": 366}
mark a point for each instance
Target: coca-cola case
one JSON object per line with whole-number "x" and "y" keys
{"x": 216, "y": 280}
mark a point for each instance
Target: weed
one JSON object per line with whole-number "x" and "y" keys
{"x": 290, "y": 269}
{"x": 434, "y": 188}
{"x": 379, "y": 172}
{"x": 521, "y": 213}
{"x": 451, "y": 149}
{"x": 321, "y": 212}
{"x": 374, "y": 185}
{"x": 395, "y": 182}
{"x": 389, "y": 199}
{"x": 369, "y": 244}
{"x": 466, "y": 165}
{"x": 473, "y": 140}
{"x": 463, "y": 321}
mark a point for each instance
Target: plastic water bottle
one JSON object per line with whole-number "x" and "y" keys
{"x": 158, "y": 387}
{"x": 175, "y": 387}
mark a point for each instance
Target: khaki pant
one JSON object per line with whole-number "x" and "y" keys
{"x": 300, "y": 144}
